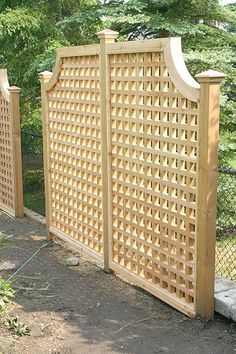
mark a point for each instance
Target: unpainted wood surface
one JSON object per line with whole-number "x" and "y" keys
{"x": 154, "y": 177}
{"x": 74, "y": 152}
{"x": 123, "y": 152}
{"x": 11, "y": 188}
{"x": 7, "y": 200}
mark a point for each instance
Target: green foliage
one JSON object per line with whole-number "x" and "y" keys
{"x": 81, "y": 27}
{"x": 3, "y": 242}
{"x": 208, "y": 41}
{"x": 226, "y": 201}
{"x": 29, "y": 36}
{"x": 207, "y": 35}
{"x": 32, "y": 123}
{"x": 225, "y": 264}
{"x": 33, "y": 180}
{"x": 19, "y": 328}
{"x": 6, "y": 292}
{"x": 30, "y": 32}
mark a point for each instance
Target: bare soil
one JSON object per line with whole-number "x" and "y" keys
{"x": 82, "y": 309}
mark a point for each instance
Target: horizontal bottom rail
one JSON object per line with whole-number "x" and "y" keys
{"x": 7, "y": 210}
{"x": 83, "y": 248}
{"x": 162, "y": 294}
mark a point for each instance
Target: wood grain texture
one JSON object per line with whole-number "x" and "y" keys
{"x": 207, "y": 186}
{"x": 154, "y": 176}
{"x": 106, "y": 36}
{"x": 74, "y": 164}
{"x": 131, "y": 148}
{"x": 11, "y": 187}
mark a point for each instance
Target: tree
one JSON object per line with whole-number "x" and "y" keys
{"x": 207, "y": 35}
{"x": 30, "y": 32}
{"x": 29, "y": 36}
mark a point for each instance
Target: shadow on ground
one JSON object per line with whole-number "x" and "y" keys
{"x": 84, "y": 310}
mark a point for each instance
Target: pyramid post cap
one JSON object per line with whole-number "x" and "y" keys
{"x": 107, "y": 33}
{"x": 45, "y": 74}
{"x": 210, "y": 75}
{"x": 14, "y": 89}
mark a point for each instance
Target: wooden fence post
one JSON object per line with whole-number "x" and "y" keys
{"x": 105, "y": 36}
{"x": 206, "y": 191}
{"x": 14, "y": 92}
{"x": 44, "y": 77}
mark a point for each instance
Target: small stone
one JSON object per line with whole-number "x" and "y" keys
{"x": 7, "y": 265}
{"x": 72, "y": 261}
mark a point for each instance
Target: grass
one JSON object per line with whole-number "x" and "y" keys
{"x": 34, "y": 198}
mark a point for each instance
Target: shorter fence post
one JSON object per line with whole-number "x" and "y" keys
{"x": 105, "y": 36}
{"x": 206, "y": 191}
{"x": 14, "y": 92}
{"x": 44, "y": 77}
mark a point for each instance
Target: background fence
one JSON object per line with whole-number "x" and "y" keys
{"x": 127, "y": 178}
{"x": 226, "y": 224}
{"x": 11, "y": 194}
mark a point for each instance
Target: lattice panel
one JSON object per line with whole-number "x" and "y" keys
{"x": 6, "y": 164}
{"x": 153, "y": 172}
{"x": 75, "y": 152}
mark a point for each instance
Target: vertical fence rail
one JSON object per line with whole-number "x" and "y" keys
{"x": 44, "y": 77}
{"x": 16, "y": 150}
{"x": 105, "y": 37}
{"x": 207, "y": 190}
{"x": 11, "y": 186}
{"x": 130, "y": 155}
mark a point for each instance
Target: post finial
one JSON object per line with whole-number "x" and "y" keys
{"x": 210, "y": 76}
{"x": 14, "y": 89}
{"x": 45, "y": 75}
{"x": 107, "y": 34}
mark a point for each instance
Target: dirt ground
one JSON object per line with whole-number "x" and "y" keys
{"x": 81, "y": 309}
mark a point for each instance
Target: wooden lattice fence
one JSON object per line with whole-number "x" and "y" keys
{"x": 11, "y": 190}
{"x": 130, "y": 147}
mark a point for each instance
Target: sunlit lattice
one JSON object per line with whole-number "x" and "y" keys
{"x": 153, "y": 173}
{"x": 75, "y": 152}
{"x": 6, "y": 166}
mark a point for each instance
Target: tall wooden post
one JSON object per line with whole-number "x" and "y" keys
{"x": 105, "y": 36}
{"x": 14, "y": 92}
{"x": 44, "y": 77}
{"x": 206, "y": 191}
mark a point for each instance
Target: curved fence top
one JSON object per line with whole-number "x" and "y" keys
{"x": 126, "y": 144}
{"x": 4, "y": 84}
{"x": 173, "y": 56}
{"x": 11, "y": 189}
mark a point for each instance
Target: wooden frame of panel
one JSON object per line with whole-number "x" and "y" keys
{"x": 130, "y": 149}
{"x": 72, "y": 149}
{"x": 139, "y": 79}
{"x": 11, "y": 186}
{"x": 190, "y": 90}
